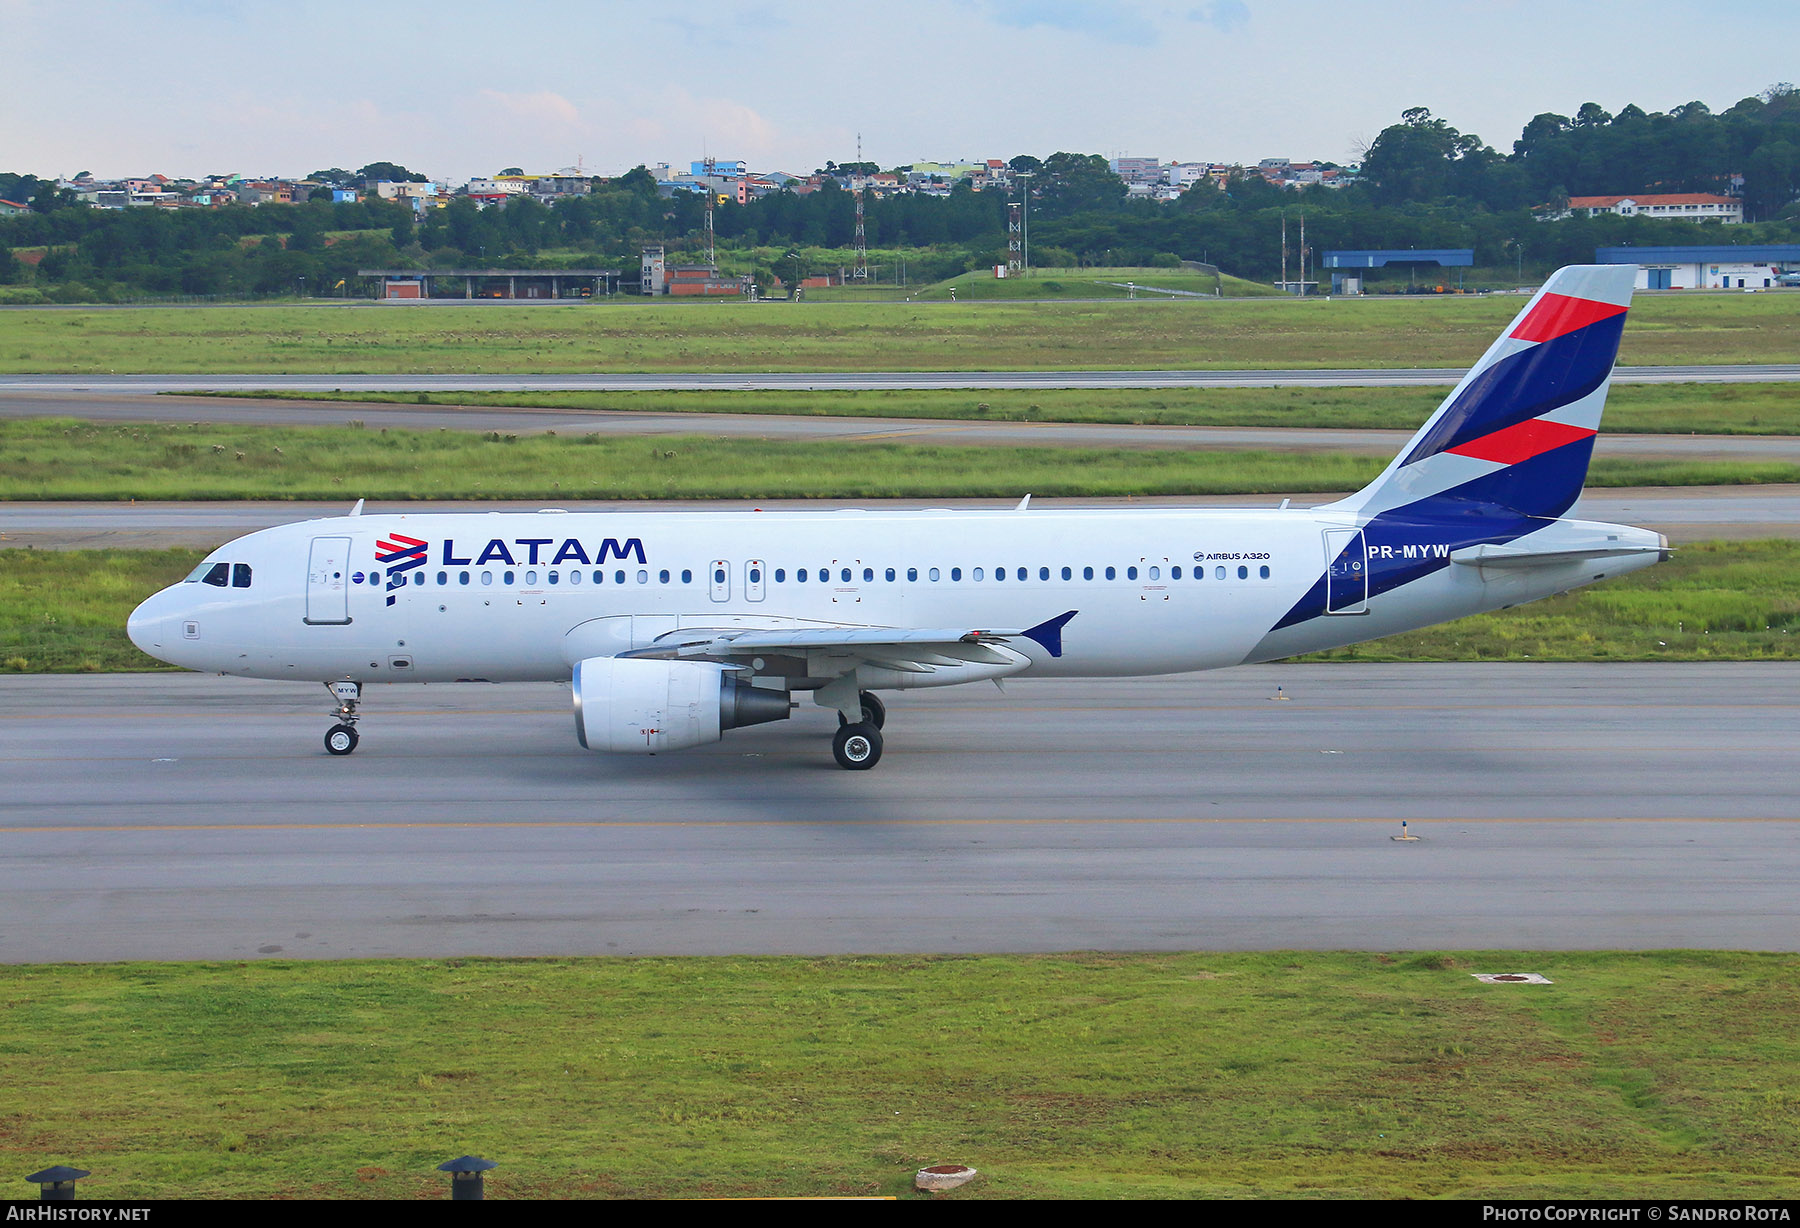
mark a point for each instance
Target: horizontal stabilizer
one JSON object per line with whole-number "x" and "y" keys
{"x": 1489, "y": 554}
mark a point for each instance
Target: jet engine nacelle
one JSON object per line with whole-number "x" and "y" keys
{"x": 632, "y": 704}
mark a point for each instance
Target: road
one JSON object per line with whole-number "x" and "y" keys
{"x": 1613, "y": 806}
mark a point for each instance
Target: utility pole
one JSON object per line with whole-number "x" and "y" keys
{"x": 1302, "y": 253}
{"x": 709, "y": 166}
{"x": 1025, "y": 222}
{"x": 1284, "y": 280}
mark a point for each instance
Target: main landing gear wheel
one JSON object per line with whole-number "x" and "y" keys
{"x": 857, "y": 747}
{"x": 340, "y": 739}
{"x": 873, "y": 710}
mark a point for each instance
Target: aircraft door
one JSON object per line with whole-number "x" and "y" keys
{"x": 327, "y": 585}
{"x": 755, "y": 580}
{"x": 719, "y": 577}
{"x": 1346, "y": 572}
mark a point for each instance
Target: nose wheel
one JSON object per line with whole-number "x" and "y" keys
{"x": 341, "y": 738}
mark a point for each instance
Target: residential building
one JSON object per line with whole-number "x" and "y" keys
{"x": 1681, "y": 206}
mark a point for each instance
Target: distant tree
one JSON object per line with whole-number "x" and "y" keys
{"x": 336, "y": 177}
{"x": 1025, "y": 164}
{"x": 1071, "y": 183}
{"x": 389, "y": 172}
{"x": 637, "y": 179}
{"x": 513, "y": 170}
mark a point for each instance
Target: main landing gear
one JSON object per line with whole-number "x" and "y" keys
{"x": 857, "y": 746}
{"x": 341, "y": 738}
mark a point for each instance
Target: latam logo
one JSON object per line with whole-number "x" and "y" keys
{"x": 400, "y": 554}
{"x": 536, "y": 550}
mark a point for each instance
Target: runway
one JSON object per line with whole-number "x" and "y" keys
{"x": 830, "y": 381}
{"x": 1571, "y": 807}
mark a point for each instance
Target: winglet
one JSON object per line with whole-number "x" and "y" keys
{"x": 1049, "y": 634}
{"x": 1023, "y": 504}
{"x": 357, "y": 510}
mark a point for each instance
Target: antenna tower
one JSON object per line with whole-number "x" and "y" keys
{"x": 709, "y": 166}
{"x": 861, "y": 271}
{"x": 1015, "y": 240}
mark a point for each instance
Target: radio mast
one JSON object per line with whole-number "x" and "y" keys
{"x": 861, "y": 271}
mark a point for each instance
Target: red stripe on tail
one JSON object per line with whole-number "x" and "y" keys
{"x": 1558, "y": 314}
{"x": 1521, "y": 442}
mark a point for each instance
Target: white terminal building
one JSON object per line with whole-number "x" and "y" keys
{"x": 1752, "y": 266}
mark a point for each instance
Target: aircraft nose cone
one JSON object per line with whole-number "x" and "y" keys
{"x": 145, "y": 627}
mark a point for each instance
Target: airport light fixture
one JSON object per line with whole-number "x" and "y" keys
{"x": 57, "y": 1183}
{"x": 465, "y": 1177}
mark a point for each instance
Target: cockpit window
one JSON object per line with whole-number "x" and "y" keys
{"x": 240, "y": 575}
{"x": 218, "y": 575}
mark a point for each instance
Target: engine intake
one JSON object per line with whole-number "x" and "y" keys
{"x": 643, "y": 706}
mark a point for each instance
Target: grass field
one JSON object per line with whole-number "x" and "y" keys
{"x": 62, "y": 459}
{"x": 1680, "y": 409}
{"x": 1292, "y": 1075}
{"x": 640, "y": 336}
{"x": 1049, "y": 284}
{"x": 64, "y": 611}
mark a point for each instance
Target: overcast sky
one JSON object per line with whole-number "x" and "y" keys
{"x": 454, "y": 88}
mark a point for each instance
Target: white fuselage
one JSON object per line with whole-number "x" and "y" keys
{"x": 519, "y": 596}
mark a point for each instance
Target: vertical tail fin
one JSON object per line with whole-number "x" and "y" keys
{"x": 1514, "y": 437}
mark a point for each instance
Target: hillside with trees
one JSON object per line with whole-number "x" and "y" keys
{"x": 1423, "y": 184}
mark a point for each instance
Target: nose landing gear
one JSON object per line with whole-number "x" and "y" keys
{"x": 341, "y": 738}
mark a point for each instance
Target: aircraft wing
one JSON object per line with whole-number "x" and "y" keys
{"x": 907, "y": 649}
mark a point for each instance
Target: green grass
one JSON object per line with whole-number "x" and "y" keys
{"x": 63, "y": 459}
{"x": 662, "y": 336}
{"x": 1681, "y": 409}
{"x": 1047, "y": 284}
{"x": 64, "y": 611}
{"x": 1294, "y": 1075}
{"x": 1712, "y": 601}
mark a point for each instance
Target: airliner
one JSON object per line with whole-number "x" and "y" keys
{"x": 674, "y": 627}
